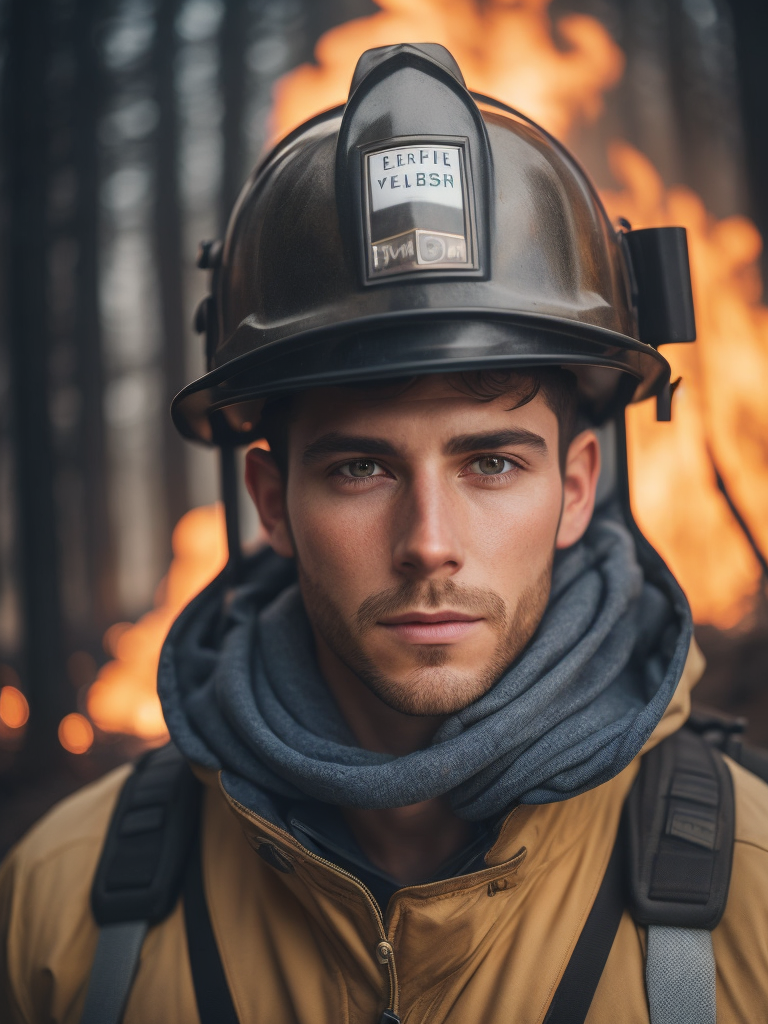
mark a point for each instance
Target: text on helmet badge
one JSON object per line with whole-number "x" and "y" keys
{"x": 416, "y": 209}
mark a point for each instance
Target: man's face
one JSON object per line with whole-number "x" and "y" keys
{"x": 424, "y": 527}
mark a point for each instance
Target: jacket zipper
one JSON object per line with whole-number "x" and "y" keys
{"x": 384, "y": 952}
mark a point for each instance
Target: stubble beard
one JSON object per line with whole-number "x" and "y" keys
{"x": 432, "y": 687}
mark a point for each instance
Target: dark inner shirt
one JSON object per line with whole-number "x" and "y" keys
{"x": 322, "y": 829}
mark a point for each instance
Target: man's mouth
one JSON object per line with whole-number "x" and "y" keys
{"x": 441, "y": 627}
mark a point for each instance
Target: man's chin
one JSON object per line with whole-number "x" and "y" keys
{"x": 430, "y": 690}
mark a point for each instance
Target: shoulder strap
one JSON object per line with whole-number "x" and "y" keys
{"x": 671, "y": 866}
{"x": 214, "y": 1000}
{"x": 114, "y": 968}
{"x": 680, "y": 829}
{"x": 149, "y": 837}
{"x": 139, "y": 876}
{"x": 573, "y": 998}
{"x": 680, "y": 975}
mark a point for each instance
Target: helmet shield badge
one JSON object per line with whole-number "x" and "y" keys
{"x": 416, "y": 209}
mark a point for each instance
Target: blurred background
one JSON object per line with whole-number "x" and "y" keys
{"x": 129, "y": 127}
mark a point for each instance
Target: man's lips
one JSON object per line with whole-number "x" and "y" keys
{"x": 442, "y": 627}
{"x": 444, "y": 616}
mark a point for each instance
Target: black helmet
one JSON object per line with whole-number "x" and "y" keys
{"x": 421, "y": 229}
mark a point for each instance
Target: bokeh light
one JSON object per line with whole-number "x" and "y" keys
{"x": 76, "y": 733}
{"x": 14, "y": 709}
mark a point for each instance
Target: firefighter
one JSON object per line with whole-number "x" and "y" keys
{"x": 417, "y": 717}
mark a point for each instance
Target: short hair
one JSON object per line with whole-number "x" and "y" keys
{"x": 558, "y": 388}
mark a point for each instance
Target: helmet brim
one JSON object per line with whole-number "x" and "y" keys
{"x": 224, "y": 406}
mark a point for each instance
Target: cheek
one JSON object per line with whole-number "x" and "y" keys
{"x": 517, "y": 528}
{"x": 342, "y": 544}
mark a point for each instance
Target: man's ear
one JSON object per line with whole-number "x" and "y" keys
{"x": 582, "y": 469}
{"x": 265, "y": 486}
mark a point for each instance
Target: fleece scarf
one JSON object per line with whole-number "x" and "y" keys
{"x": 242, "y": 693}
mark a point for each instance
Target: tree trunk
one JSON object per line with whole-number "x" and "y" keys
{"x": 27, "y": 162}
{"x": 168, "y": 250}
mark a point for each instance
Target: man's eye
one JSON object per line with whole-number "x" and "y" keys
{"x": 491, "y": 465}
{"x": 361, "y": 468}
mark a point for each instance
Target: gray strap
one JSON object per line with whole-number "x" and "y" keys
{"x": 680, "y": 975}
{"x": 113, "y": 971}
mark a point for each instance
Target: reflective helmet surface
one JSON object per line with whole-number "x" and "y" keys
{"x": 419, "y": 229}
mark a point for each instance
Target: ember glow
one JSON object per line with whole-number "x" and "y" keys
{"x": 509, "y": 52}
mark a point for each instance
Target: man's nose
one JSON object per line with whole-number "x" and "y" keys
{"x": 427, "y": 529}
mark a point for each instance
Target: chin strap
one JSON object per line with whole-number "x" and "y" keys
{"x": 229, "y": 494}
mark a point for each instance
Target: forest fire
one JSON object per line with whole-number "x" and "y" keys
{"x": 720, "y": 408}
{"x": 504, "y": 50}
{"x": 124, "y": 697}
{"x": 720, "y": 412}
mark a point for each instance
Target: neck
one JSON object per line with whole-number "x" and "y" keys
{"x": 408, "y": 843}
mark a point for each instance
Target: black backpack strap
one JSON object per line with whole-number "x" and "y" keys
{"x": 680, "y": 825}
{"x": 140, "y": 873}
{"x": 573, "y": 998}
{"x": 114, "y": 968}
{"x": 680, "y": 828}
{"x": 145, "y": 852}
{"x": 214, "y": 1001}
{"x": 670, "y": 866}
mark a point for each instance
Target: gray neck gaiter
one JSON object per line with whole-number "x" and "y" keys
{"x": 573, "y": 710}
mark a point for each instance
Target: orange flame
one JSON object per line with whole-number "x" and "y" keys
{"x": 557, "y": 75}
{"x": 721, "y": 406}
{"x": 124, "y": 696}
{"x": 506, "y": 50}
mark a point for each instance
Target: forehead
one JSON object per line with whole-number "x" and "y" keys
{"x": 437, "y": 402}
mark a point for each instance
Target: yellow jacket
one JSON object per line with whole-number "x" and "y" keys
{"x": 301, "y": 946}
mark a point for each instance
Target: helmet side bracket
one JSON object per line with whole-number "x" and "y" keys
{"x": 660, "y": 276}
{"x": 660, "y": 268}
{"x": 209, "y": 257}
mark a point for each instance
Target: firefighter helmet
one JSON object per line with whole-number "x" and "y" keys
{"x": 421, "y": 229}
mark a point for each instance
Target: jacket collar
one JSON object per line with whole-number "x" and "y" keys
{"x": 536, "y": 831}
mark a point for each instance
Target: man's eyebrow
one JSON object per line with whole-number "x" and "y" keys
{"x": 338, "y": 444}
{"x": 519, "y": 437}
